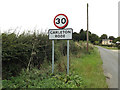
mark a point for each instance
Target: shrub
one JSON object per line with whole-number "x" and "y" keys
{"x": 36, "y": 79}
{"x": 118, "y": 46}
{"x": 30, "y": 50}
{"x": 18, "y": 51}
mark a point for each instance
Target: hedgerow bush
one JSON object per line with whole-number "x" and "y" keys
{"x": 118, "y": 46}
{"x": 36, "y": 79}
{"x": 25, "y": 59}
{"x": 23, "y": 51}
{"x": 26, "y": 51}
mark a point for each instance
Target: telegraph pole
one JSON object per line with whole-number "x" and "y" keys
{"x": 87, "y": 28}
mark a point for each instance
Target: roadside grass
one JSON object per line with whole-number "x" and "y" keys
{"x": 44, "y": 79}
{"x": 111, "y": 48}
{"x": 85, "y": 72}
{"x": 90, "y": 68}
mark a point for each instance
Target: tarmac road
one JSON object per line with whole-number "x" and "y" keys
{"x": 110, "y": 66}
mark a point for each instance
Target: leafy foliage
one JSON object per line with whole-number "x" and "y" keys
{"x": 82, "y": 71}
{"x": 104, "y": 36}
{"x": 18, "y": 51}
{"x": 82, "y": 35}
{"x": 111, "y": 37}
{"x": 76, "y": 36}
{"x": 36, "y": 79}
{"x": 26, "y": 51}
{"x": 26, "y": 58}
{"x": 40, "y": 53}
{"x": 94, "y": 39}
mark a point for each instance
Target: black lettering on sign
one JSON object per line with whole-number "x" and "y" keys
{"x": 60, "y": 32}
{"x": 56, "y": 31}
{"x": 56, "y": 36}
{"x": 65, "y": 32}
{"x": 69, "y": 31}
{"x": 50, "y": 32}
{"x": 64, "y": 36}
{"x": 53, "y": 32}
{"x": 63, "y": 20}
{"x": 58, "y": 21}
{"x": 60, "y": 36}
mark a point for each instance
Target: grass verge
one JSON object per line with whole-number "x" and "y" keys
{"x": 85, "y": 72}
{"x": 90, "y": 68}
{"x": 111, "y": 48}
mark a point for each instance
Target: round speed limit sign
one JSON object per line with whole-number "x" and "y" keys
{"x": 61, "y": 21}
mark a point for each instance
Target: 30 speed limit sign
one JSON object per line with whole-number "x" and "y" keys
{"x": 61, "y": 21}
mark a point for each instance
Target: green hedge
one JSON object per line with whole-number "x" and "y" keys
{"x": 30, "y": 50}
{"x": 18, "y": 50}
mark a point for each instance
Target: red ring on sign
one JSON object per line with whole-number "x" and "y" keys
{"x": 64, "y": 25}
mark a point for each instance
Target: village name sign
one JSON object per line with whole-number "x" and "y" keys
{"x": 60, "y": 34}
{"x": 60, "y": 21}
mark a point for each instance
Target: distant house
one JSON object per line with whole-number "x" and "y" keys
{"x": 106, "y": 42}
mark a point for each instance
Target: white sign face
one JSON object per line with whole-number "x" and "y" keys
{"x": 61, "y": 21}
{"x": 60, "y": 34}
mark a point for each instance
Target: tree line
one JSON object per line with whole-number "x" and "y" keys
{"x": 93, "y": 38}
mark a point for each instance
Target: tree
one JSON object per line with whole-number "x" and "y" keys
{"x": 76, "y": 36}
{"x": 81, "y": 30}
{"x": 94, "y": 38}
{"x": 96, "y": 42}
{"x": 82, "y": 35}
{"x": 116, "y": 39}
{"x": 111, "y": 37}
{"x": 104, "y": 36}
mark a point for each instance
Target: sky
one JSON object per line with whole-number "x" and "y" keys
{"x": 23, "y": 15}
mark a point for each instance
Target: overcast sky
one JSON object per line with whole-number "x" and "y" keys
{"x": 39, "y": 14}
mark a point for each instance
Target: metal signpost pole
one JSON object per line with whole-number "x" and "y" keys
{"x": 60, "y": 21}
{"x": 87, "y": 28}
{"x": 52, "y": 56}
{"x": 67, "y": 56}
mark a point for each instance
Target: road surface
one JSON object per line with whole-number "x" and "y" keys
{"x": 110, "y": 66}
